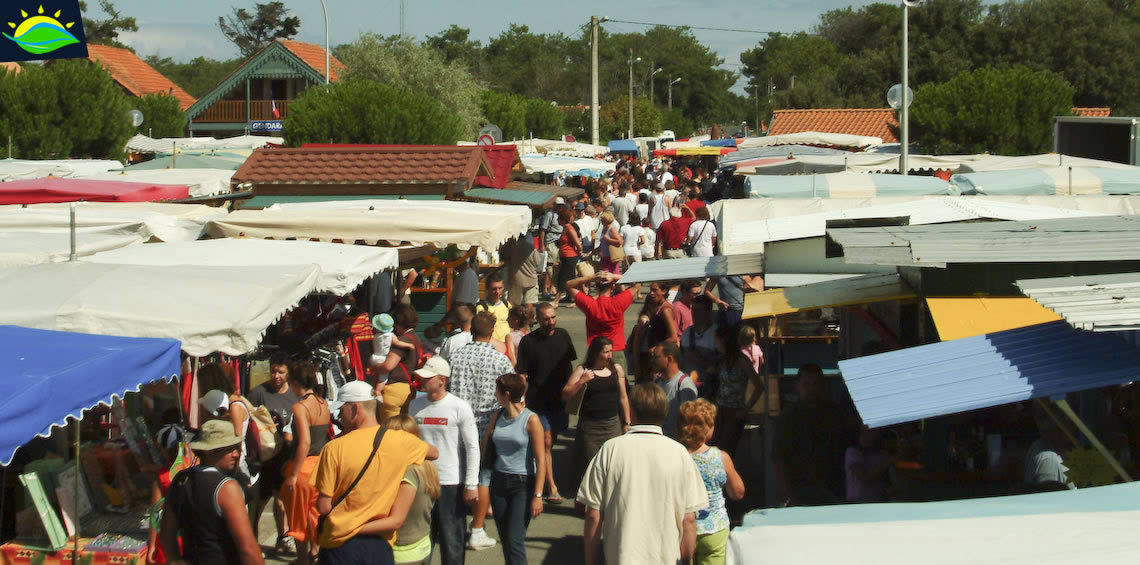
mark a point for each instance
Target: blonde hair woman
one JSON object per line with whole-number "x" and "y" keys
{"x": 720, "y": 477}
{"x": 414, "y": 531}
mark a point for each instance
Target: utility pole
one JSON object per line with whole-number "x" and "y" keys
{"x": 651, "y": 73}
{"x": 326, "y": 12}
{"x": 630, "y": 93}
{"x": 403, "y": 18}
{"x": 904, "y": 112}
{"x": 672, "y": 81}
{"x": 756, "y": 93}
{"x": 594, "y": 80}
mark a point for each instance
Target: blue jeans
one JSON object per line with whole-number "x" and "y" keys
{"x": 360, "y": 550}
{"x": 510, "y": 499}
{"x": 449, "y": 524}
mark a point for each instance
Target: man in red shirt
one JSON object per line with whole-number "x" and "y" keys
{"x": 672, "y": 234}
{"x": 693, "y": 198}
{"x": 605, "y": 315}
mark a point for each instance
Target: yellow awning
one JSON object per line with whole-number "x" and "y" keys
{"x": 843, "y": 292}
{"x": 957, "y": 318}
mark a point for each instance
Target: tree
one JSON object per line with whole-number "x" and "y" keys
{"x": 1003, "y": 111}
{"x": 106, "y": 31}
{"x": 613, "y": 118}
{"x": 66, "y": 109}
{"x": 162, "y": 116}
{"x": 544, "y": 119}
{"x": 454, "y": 44}
{"x": 364, "y": 111}
{"x": 506, "y": 111}
{"x": 251, "y": 32}
{"x": 199, "y": 76}
{"x": 400, "y": 62}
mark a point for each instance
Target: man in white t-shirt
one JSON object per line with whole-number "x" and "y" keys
{"x": 642, "y": 491}
{"x": 448, "y": 424}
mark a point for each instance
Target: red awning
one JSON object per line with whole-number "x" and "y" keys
{"x": 704, "y": 151}
{"x": 502, "y": 159}
{"x": 53, "y": 189}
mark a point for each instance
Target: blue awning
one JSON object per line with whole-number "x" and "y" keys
{"x": 49, "y": 376}
{"x": 988, "y": 370}
{"x": 624, "y": 146}
{"x": 1050, "y": 180}
{"x": 726, "y": 142}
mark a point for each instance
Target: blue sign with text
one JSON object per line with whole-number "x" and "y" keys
{"x": 265, "y": 125}
{"x": 41, "y": 30}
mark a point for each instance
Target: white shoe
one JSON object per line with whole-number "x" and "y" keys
{"x": 480, "y": 540}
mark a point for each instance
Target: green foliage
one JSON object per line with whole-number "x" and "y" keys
{"x": 613, "y": 118}
{"x": 401, "y": 62}
{"x": 544, "y": 119}
{"x": 1003, "y": 111}
{"x": 197, "y": 77}
{"x": 106, "y": 31}
{"x": 676, "y": 121}
{"x": 506, "y": 111}
{"x": 66, "y": 109}
{"x": 454, "y": 44}
{"x": 364, "y": 111}
{"x": 162, "y": 116}
{"x": 250, "y": 32}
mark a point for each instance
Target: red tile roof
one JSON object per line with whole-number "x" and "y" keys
{"x": 1092, "y": 112}
{"x": 135, "y": 75}
{"x": 314, "y": 56}
{"x": 377, "y": 164}
{"x": 502, "y": 158}
{"x": 854, "y": 121}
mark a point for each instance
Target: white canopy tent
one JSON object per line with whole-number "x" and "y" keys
{"x": 22, "y": 248}
{"x": 861, "y": 163}
{"x": 845, "y": 185}
{"x": 811, "y": 138}
{"x": 1044, "y": 160}
{"x": 343, "y": 267}
{"x": 395, "y": 222}
{"x": 143, "y": 144}
{"x": 202, "y": 182}
{"x": 573, "y": 166}
{"x": 554, "y": 147}
{"x": 209, "y": 309}
{"x": 147, "y": 220}
{"x": 22, "y": 169}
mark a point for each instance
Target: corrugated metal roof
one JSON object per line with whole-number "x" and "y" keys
{"x": 1107, "y": 238}
{"x": 959, "y": 317}
{"x": 781, "y": 280}
{"x": 694, "y": 268}
{"x": 856, "y": 290}
{"x": 987, "y": 370}
{"x": 1099, "y": 303}
{"x": 509, "y": 196}
{"x": 266, "y": 201}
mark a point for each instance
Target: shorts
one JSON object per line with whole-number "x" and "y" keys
{"x": 631, "y": 258}
{"x": 523, "y": 294}
{"x": 273, "y": 475}
{"x": 552, "y": 255}
{"x": 554, "y": 422}
{"x": 674, "y": 254}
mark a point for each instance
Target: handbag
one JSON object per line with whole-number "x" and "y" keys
{"x": 687, "y": 246}
{"x": 574, "y": 405}
{"x": 617, "y": 252}
{"x": 487, "y": 451}
{"x": 375, "y": 447}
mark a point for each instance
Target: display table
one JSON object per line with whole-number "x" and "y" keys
{"x": 13, "y": 553}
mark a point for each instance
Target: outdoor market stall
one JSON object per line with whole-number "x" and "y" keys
{"x": 32, "y": 248}
{"x": 143, "y": 144}
{"x": 804, "y": 163}
{"x": 1042, "y": 161}
{"x": 147, "y": 220}
{"x": 22, "y": 169}
{"x": 845, "y": 185}
{"x": 53, "y": 378}
{"x": 52, "y": 189}
{"x": 1051, "y": 180}
{"x": 200, "y": 182}
{"x": 571, "y": 166}
{"x": 812, "y": 138}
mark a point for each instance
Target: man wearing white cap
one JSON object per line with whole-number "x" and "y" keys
{"x": 351, "y": 504}
{"x": 447, "y": 422}
{"x": 207, "y": 506}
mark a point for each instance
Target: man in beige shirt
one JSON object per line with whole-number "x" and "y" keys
{"x": 649, "y": 488}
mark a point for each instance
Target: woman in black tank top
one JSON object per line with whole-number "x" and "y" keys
{"x": 604, "y": 412}
{"x": 311, "y": 432}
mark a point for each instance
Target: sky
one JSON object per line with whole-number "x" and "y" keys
{"x": 183, "y": 30}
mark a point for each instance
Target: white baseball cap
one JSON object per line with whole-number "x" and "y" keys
{"x": 214, "y": 402}
{"x": 354, "y": 391}
{"x": 435, "y": 367}
{"x": 559, "y": 200}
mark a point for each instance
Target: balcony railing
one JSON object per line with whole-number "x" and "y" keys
{"x": 233, "y": 111}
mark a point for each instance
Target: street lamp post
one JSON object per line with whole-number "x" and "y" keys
{"x": 594, "y": 20}
{"x": 659, "y": 69}
{"x": 326, "y": 11}
{"x": 632, "y": 60}
{"x": 904, "y": 111}
{"x": 672, "y": 81}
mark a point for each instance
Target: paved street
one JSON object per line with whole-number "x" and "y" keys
{"x": 555, "y": 537}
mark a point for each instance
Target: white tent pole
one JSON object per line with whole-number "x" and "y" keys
{"x": 73, "y": 256}
{"x": 1070, "y": 181}
{"x": 1063, "y": 404}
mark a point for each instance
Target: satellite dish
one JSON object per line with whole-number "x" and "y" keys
{"x": 894, "y": 96}
{"x": 136, "y": 118}
{"x": 493, "y": 131}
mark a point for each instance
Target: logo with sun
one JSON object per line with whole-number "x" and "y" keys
{"x": 41, "y": 33}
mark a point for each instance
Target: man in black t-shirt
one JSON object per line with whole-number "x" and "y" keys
{"x": 545, "y": 359}
{"x": 275, "y": 395}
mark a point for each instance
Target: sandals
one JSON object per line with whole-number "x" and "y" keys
{"x": 554, "y": 499}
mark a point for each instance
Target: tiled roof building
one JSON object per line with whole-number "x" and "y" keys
{"x": 134, "y": 74}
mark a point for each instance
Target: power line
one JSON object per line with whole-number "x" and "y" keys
{"x": 734, "y": 30}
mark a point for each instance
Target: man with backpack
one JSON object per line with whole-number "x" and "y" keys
{"x": 207, "y": 505}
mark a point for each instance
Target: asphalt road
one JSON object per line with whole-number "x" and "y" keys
{"x": 555, "y": 537}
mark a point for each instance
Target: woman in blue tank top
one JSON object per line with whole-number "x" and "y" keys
{"x": 513, "y": 449}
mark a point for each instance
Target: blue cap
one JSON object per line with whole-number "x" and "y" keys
{"x": 383, "y": 323}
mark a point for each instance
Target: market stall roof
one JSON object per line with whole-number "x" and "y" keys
{"x": 1042, "y": 161}
{"x": 694, "y": 152}
{"x": 200, "y": 182}
{"x": 693, "y": 268}
{"x": 209, "y": 309}
{"x": 22, "y": 169}
{"x": 988, "y": 370}
{"x": 748, "y": 224}
{"x": 222, "y": 161}
{"x": 571, "y": 166}
{"x": 343, "y": 267}
{"x": 744, "y": 155}
{"x": 811, "y": 138}
{"x": 845, "y": 185}
{"x": 858, "y": 163}
{"x": 33, "y": 248}
{"x": 557, "y": 190}
{"x": 143, "y": 144}
{"x": 51, "y": 189}
{"x": 960, "y": 317}
{"x": 553, "y": 147}
{"x": 723, "y": 142}
{"x": 538, "y": 200}
{"x": 842, "y": 292}
{"x": 395, "y": 222}
{"x": 1052, "y": 180}
{"x": 268, "y": 200}
{"x": 162, "y": 221}
{"x": 1100, "y": 303}
{"x": 502, "y": 159}
{"x": 623, "y": 146}
{"x": 1090, "y": 524}
{"x": 1104, "y": 238}
{"x": 51, "y": 376}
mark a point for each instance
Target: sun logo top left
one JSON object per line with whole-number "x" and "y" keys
{"x": 43, "y": 30}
